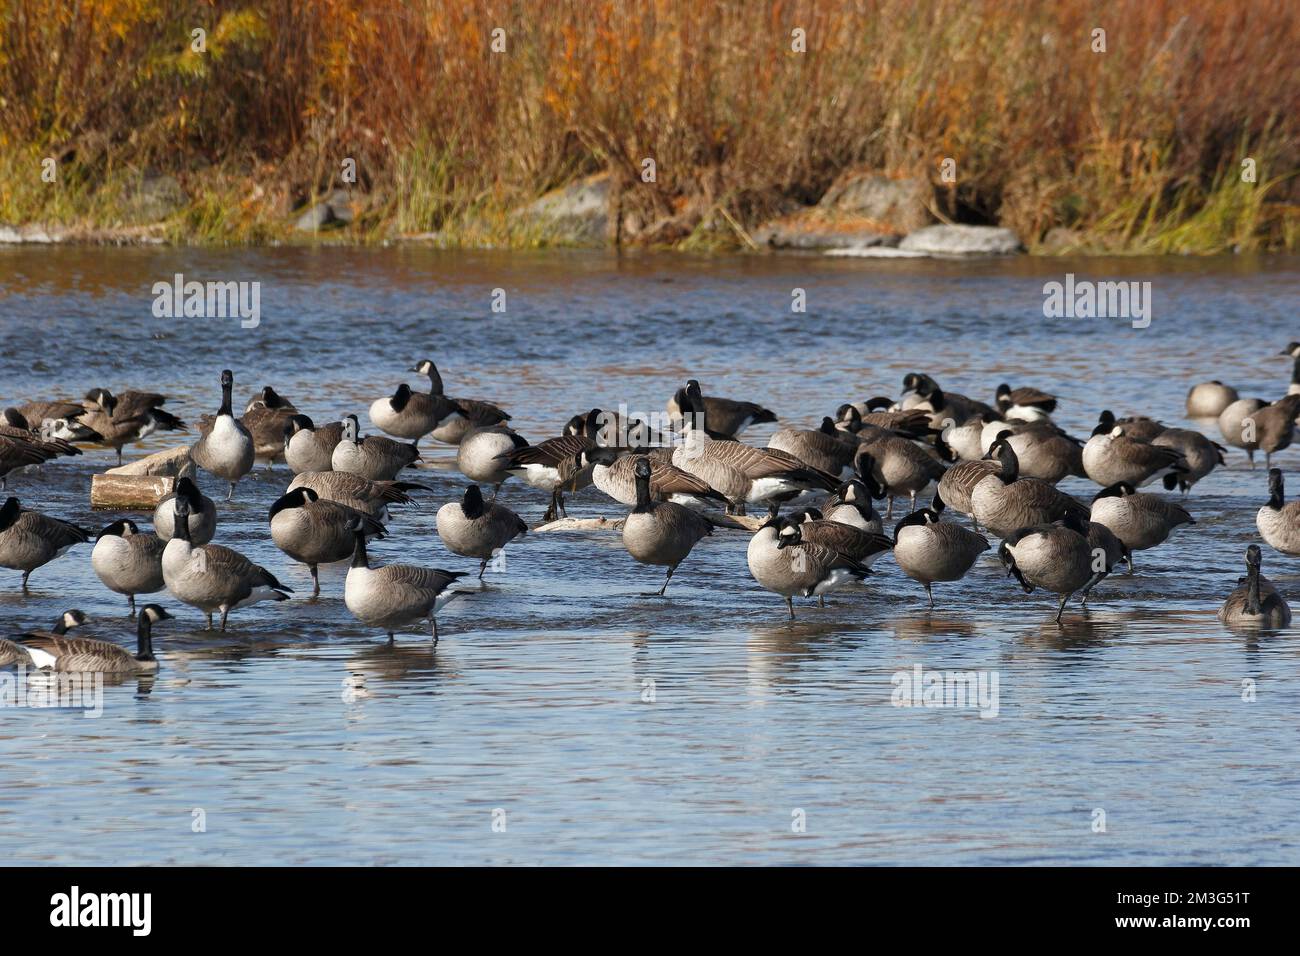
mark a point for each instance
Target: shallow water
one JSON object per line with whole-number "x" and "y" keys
{"x": 303, "y": 738}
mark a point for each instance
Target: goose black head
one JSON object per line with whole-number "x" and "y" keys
{"x": 937, "y": 504}
{"x": 119, "y": 529}
{"x": 155, "y": 613}
{"x": 181, "y": 507}
{"x": 472, "y": 503}
{"x": 828, "y": 426}
{"x": 848, "y": 414}
{"x": 296, "y": 424}
{"x": 1074, "y": 522}
{"x": 806, "y": 514}
{"x": 103, "y": 398}
{"x": 1292, "y": 349}
{"x": 400, "y": 397}
{"x": 591, "y": 424}
{"x": 422, "y": 367}
{"x": 1105, "y": 422}
{"x": 920, "y": 517}
{"x": 597, "y": 456}
{"x": 641, "y": 467}
{"x": 9, "y": 512}
{"x": 187, "y": 489}
{"x": 271, "y": 398}
{"x": 945, "y": 450}
{"x": 774, "y": 521}
{"x": 788, "y": 534}
{"x": 351, "y": 430}
{"x": 68, "y": 620}
{"x": 1253, "y": 557}
{"x": 1120, "y": 489}
{"x": 13, "y": 418}
{"x": 853, "y": 490}
{"x": 1004, "y": 391}
{"x": 879, "y": 403}
{"x": 227, "y": 378}
{"x": 292, "y": 499}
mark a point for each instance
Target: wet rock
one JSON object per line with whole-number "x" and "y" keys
{"x": 576, "y": 214}
{"x": 30, "y": 233}
{"x": 155, "y": 198}
{"x": 962, "y": 241}
{"x": 335, "y": 210}
{"x": 861, "y": 210}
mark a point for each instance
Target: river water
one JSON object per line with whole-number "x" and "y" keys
{"x": 565, "y": 718}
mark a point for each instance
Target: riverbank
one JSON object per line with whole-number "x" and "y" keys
{"x": 1143, "y": 127}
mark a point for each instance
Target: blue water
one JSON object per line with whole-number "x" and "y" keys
{"x": 302, "y": 738}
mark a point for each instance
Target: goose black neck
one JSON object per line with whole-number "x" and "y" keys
{"x": 1276, "y": 493}
{"x": 61, "y": 628}
{"x": 1253, "y": 604}
{"x": 643, "y": 502}
{"x": 225, "y": 399}
{"x": 181, "y": 527}
{"x": 144, "y": 639}
{"x": 359, "y": 551}
{"x": 1010, "y": 465}
{"x": 1295, "y": 372}
{"x": 435, "y": 380}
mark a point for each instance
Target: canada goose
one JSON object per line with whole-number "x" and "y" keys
{"x": 480, "y": 454}
{"x": 966, "y": 439}
{"x": 412, "y": 415}
{"x": 374, "y": 457}
{"x": 1209, "y": 399}
{"x": 1045, "y": 452}
{"x": 1279, "y": 520}
{"x": 87, "y": 655}
{"x": 660, "y": 532}
{"x": 13, "y": 653}
{"x": 308, "y": 447}
{"x": 551, "y": 465}
{"x": 1135, "y": 426}
{"x": 126, "y": 418}
{"x": 945, "y": 406}
{"x": 67, "y": 415}
{"x": 614, "y": 473}
{"x": 1255, "y": 601}
{"x": 898, "y": 466}
{"x": 1054, "y": 557}
{"x": 861, "y": 546}
{"x": 1111, "y": 456}
{"x": 1025, "y": 403}
{"x": 822, "y": 448}
{"x": 212, "y": 577}
{"x": 851, "y": 504}
{"x": 1273, "y": 427}
{"x": 226, "y": 449}
{"x": 788, "y": 565}
{"x": 470, "y": 413}
{"x": 371, "y": 497}
{"x": 959, "y": 481}
{"x": 14, "y": 425}
{"x": 1140, "y": 521}
{"x": 475, "y": 529}
{"x": 741, "y": 473}
{"x": 127, "y": 561}
{"x": 879, "y": 412}
{"x": 16, "y": 454}
{"x": 266, "y": 416}
{"x": 726, "y": 416}
{"x": 929, "y": 549}
{"x": 29, "y": 539}
{"x": 395, "y": 594}
{"x": 1233, "y": 428}
{"x": 1200, "y": 454}
{"x": 202, "y": 513}
{"x": 316, "y": 531}
{"x": 1004, "y": 502}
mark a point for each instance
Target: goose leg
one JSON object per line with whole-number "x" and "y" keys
{"x": 482, "y": 568}
{"x": 822, "y": 600}
{"x": 559, "y": 497}
{"x": 789, "y": 602}
{"x": 224, "y": 611}
{"x": 1250, "y": 452}
{"x": 26, "y": 575}
{"x": 913, "y": 497}
{"x": 433, "y": 629}
{"x": 671, "y": 569}
{"x": 119, "y": 454}
{"x": 391, "y": 640}
{"x": 1268, "y": 459}
{"x": 209, "y": 620}
{"x": 315, "y": 580}
{"x": 130, "y": 600}
{"x": 890, "y": 512}
{"x": 929, "y": 594}
{"x": 1130, "y": 564}
{"x": 231, "y": 493}
{"x": 1061, "y": 609}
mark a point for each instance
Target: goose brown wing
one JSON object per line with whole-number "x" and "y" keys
{"x": 78, "y": 653}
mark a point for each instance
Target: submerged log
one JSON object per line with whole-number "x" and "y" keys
{"x": 129, "y": 492}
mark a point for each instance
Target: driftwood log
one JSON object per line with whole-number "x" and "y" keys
{"x": 129, "y": 492}
{"x": 173, "y": 463}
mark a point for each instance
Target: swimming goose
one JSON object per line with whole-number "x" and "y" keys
{"x": 87, "y": 655}
{"x": 316, "y": 531}
{"x": 741, "y": 473}
{"x": 726, "y": 416}
{"x": 551, "y": 465}
{"x": 1025, "y": 403}
{"x": 1111, "y": 456}
{"x": 374, "y": 457}
{"x": 1273, "y": 428}
{"x": 660, "y": 532}
{"x": 824, "y": 448}
{"x": 929, "y": 549}
{"x": 470, "y": 413}
{"x": 395, "y": 595}
{"x": 614, "y": 473}
{"x": 127, "y": 561}
{"x": 371, "y": 497}
{"x": 226, "y": 449}
{"x": 13, "y": 653}
{"x": 475, "y": 529}
{"x": 481, "y": 453}
{"x": 1200, "y": 454}
{"x": 413, "y": 415}
{"x": 1004, "y": 502}
{"x": 126, "y": 418}
{"x": 851, "y": 504}
{"x": 308, "y": 447}
{"x": 29, "y": 539}
{"x": 1139, "y": 520}
{"x": 212, "y": 577}
{"x": 1054, "y": 557}
{"x": 1279, "y": 520}
{"x": 1232, "y": 425}
{"x": 898, "y": 467}
{"x": 1209, "y": 399}
{"x": 202, "y": 513}
{"x": 788, "y": 565}
{"x": 266, "y": 416}
{"x": 1255, "y": 601}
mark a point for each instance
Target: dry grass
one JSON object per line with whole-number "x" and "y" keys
{"x": 1137, "y": 148}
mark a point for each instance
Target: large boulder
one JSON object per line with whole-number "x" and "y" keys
{"x": 154, "y": 198}
{"x": 576, "y": 214}
{"x": 334, "y": 210}
{"x": 962, "y": 241}
{"x": 861, "y": 210}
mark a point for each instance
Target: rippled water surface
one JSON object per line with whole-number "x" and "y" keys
{"x": 533, "y": 711}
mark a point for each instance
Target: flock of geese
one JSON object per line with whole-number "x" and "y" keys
{"x": 997, "y": 464}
